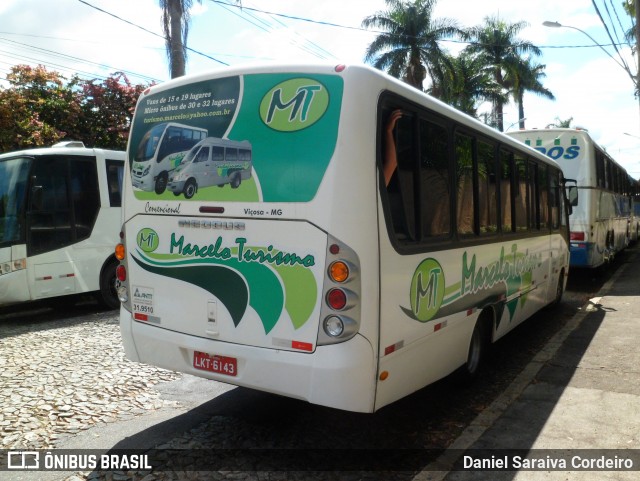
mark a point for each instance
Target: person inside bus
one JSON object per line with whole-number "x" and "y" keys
{"x": 390, "y": 162}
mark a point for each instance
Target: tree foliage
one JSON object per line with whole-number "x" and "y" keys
{"x": 494, "y": 67}
{"x": 41, "y": 107}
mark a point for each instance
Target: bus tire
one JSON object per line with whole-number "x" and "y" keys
{"x": 161, "y": 182}
{"x": 107, "y": 295}
{"x": 559, "y": 289}
{"x": 478, "y": 347}
{"x": 190, "y": 188}
{"x": 235, "y": 180}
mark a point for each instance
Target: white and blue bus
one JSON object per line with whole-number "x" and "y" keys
{"x": 320, "y": 277}
{"x": 601, "y": 221}
{"x": 59, "y": 221}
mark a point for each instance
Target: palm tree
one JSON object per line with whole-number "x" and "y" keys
{"x": 470, "y": 82}
{"x": 175, "y": 25}
{"x": 497, "y": 44}
{"x": 563, "y": 124}
{"x": 525, "y": 77}
{"x": 408, "y": 47}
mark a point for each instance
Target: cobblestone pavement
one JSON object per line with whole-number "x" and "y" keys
{"x": 47, "y": 393}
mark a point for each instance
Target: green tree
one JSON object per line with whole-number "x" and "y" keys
{"x": 497, "y": 44}
{"x": 37, "y": 109}
{"x": 562, "y": 124}
{"x": 41, "y": 107}
{"x": 526, "y": 76}
{"x": 470, "y": 83}
{"x": 408, "y": 46}
{"x": 107, "y": 110}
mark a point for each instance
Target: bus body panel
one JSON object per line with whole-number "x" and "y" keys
{"x": 600, "y": 223}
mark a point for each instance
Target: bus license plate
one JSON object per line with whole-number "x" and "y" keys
{"x": 218, "y": 364}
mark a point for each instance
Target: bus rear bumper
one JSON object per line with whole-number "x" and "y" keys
{"x": 341, "y": 376}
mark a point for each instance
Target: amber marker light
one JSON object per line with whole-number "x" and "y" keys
{"x": 339, "y": 271}
{"x": 384, "y": 375}
{"x": 120, "y": 252}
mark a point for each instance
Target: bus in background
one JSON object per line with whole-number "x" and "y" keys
{"x": 159, "y": 151}
{"x": 59, "y": 220}
{"x": 315, "y": 279}
{"x": 600, "y": 222}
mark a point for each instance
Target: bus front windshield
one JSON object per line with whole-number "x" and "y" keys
{"x": 14, "y": 175}
{"x": 149, "y": 144}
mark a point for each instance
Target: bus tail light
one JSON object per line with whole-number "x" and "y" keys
{"x": 120, "y": 252}
{"x": 337, "y": 299}
{"x": 340, "y": 311}
{"x": 121, "y": 273}
{"x": 577, "y": 236}
{"x": 339, "y": 271}
{"x": 333, "y": 326}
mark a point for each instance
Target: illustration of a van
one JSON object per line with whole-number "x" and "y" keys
{"x": 212, "y": 161}
{"x": 160, "y": 151}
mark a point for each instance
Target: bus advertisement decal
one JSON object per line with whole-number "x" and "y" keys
{"x": 269, "y": 280}
{"x": 254, "y": 138}
{"x": 502, "y": 281}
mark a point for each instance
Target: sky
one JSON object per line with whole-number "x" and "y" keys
{"x": 95, "y": 38}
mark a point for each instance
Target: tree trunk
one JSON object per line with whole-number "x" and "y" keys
{"x": 177, "y": 59}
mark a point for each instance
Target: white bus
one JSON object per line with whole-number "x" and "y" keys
{"x": 212, "y": 162}
{"x": 59, "y": 221}
{"x": 600, "y": 223}
{"x": 322, "y": 283}
{"x": 159, "y": 151}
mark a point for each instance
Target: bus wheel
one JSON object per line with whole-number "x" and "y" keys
{"x": 190, "y": 188}
{"x": 107, "y": 295}
{"x": 235, "y": 180}
{"x": 559, "y": 289}
{"x": 477, "y": 350}
{"x": 161, "y": 183}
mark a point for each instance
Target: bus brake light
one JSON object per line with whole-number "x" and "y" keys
{"x": 577, "y": 236}
{"x": 337, "y": 299}
{"x": 121, "y": 273}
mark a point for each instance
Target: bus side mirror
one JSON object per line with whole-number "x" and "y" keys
{"x": 572, "y": 194}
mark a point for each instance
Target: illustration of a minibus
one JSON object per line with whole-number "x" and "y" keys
{"x": 212, "y": 161}
{"x": 160, "y": 151}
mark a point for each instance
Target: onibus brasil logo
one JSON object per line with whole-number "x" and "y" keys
{"x": 239, "y": 274}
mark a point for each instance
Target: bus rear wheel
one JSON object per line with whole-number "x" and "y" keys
{"x": 477, "y": 350}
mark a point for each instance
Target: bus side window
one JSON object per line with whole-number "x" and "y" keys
{"x": 400, "y": 189}
{"x": 434, "y": 180}
{"x": 115, "y": 172}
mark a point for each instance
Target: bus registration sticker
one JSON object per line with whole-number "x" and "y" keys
{"x": 218, "y": 364}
